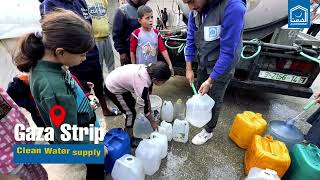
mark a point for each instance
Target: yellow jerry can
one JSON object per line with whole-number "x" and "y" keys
{"x": 264, "y": 152}
{"x": 245, "y": 126}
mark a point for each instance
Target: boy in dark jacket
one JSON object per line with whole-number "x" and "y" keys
{"x": 19, "y": 91}
{"x": 125, "y": 22}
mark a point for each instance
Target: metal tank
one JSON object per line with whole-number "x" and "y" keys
{"x": 262, "y": 16}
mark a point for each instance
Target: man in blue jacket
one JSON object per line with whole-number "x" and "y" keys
{"x": 214, "y": 39}
{"x": 124, "y": 23}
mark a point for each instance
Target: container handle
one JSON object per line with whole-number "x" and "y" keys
{"x": 114, "y": 131}
{"x": 271, "y": 148}
{"x": 315, "y": 149}
{"x": 119, "y": 138}
{"x": 312, "y": 146}
{"x": 269, "y": 137}
{"x": 120, "y": 132}
{"x": 253, "y": 116}
{"x": 270, "y": 172}
{"x": 113, "y": 134}
{"x": 107, "y": 141}
{"x": 248, "y": 114}
{"x": 154, "y": 135}
{"x": 259, "y": 115}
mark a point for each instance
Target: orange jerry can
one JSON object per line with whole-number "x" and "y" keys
{"x": 245, "y": 126}
{"x": 264, "y": 152}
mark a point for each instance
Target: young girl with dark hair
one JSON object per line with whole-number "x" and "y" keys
{"x": 90, "y": 70}
{"x": 64, "y": 41}
{"x": 137, "y": 79}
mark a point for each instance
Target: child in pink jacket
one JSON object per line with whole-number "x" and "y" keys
{"x": 135, "y": 79}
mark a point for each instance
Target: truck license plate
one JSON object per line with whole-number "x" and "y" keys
{"x": 283, "y": 77}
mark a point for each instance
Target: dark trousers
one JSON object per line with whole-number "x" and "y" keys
{"x": 95, "y": 171}
{"x": 313, "y": 135}
{"x": 165, "y": 23}
{"x": 160, "y": 27}
{"x": 126, "y": 104}
{"x": 314, "y": 29}
{"x": 216, "y": 92}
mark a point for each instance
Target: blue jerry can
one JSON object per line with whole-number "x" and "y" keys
{"x": 118, "y": 143}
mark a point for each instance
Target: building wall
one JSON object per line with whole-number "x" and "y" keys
{"x": 156, "y": 5}
{"x": 172, "y": 9}
{"x": 24, "y": 20}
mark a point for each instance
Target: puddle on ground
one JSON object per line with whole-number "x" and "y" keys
{"x": 173, "y": 164}
{"x": 280, "y": 111}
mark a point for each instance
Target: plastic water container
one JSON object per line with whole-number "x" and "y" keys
{"x": 305, "y": 163}
{"x": 156, "y": 103}
{"x": 245, "y": 126}
{"x": 199, "y": 110}
{"x": 167, "y": 111}
{"x": 285, "y": 132}
{"x": 128, "y": 167}
{"x": 150, "y": 155}
{"x": 180, "y": 130}
{"x": 266, "y": 153}
{"x": 262, "y": 174}
{"x": 166, "y": 129}
{"x": 142, "y": 127}
{"x": 162, "y": 130}
{"x": 118, "y": 143}
{"x": 179, "y": 110}
{"x": 162, "y": 140}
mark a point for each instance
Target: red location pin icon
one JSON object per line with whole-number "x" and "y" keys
{"x": 57, "y": 115}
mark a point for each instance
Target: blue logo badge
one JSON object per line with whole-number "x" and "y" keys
{"x": 213, "y": 32}
{"x": 298, "y": 13}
